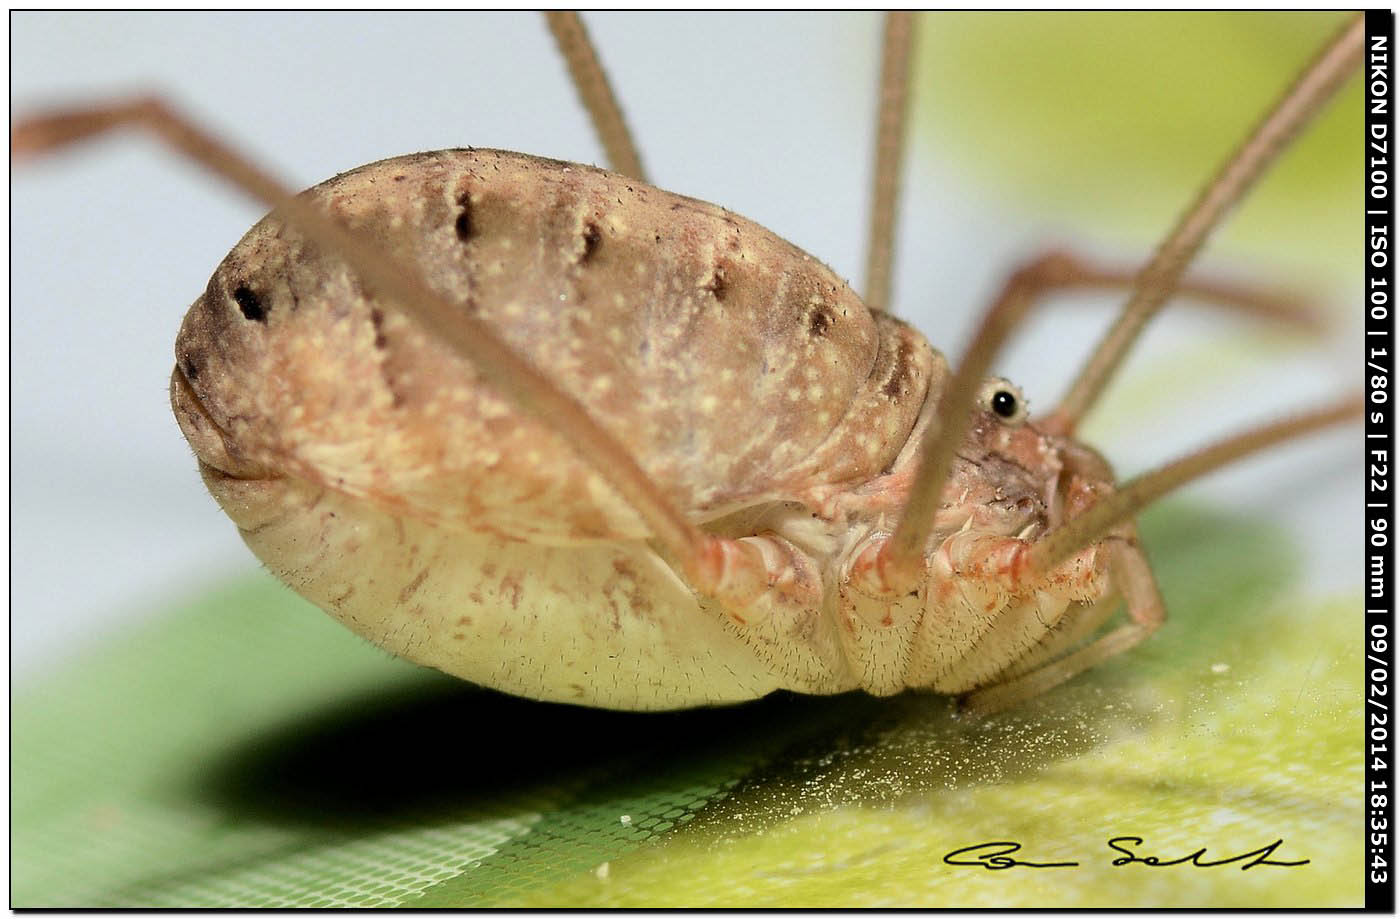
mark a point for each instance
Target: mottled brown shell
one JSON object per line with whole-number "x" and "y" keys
{"x": 736, "y": 368}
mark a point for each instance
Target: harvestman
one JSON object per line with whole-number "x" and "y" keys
{"x": 562, "y": 433}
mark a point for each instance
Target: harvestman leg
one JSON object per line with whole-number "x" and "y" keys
{"x": 1047, "y": 274}
{"x": 899, "y": 564}
{"x": 1308, "y": 95}
{"x": 596, "y": 93}
{"x": 736, "y": 572}
{"x": 1139, "y": 591}
{"x": 891, "y": 130}
{"x": 895, "y": 566}
{"x": 750, "y": 575}
{"x": 1061, "y": 270}
{"x": 1024, "y": 562}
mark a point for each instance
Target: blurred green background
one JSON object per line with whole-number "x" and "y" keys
{"x": 243, "y": 750}
{"x": 1105, "y": 118}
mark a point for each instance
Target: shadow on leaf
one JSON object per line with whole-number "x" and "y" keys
{"x": 433, "y": 749}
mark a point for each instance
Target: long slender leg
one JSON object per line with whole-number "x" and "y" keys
{"x": 1136, "y": 494}
{"x": 1011, "y": 564}
{"x": 890, "y": 131}
{"x": 1276, "y": 306}
{"x": 1304, "y": 99}
{"x": 1069, "y": 632}
{"x": 871, "y": 568}
{"x": 596, "y": 93}
{"x": 1050, "y": 273}
{"x": 1133, "y": 576}
{"x": 900, "y": 563}
{"x": 731, "y": 571}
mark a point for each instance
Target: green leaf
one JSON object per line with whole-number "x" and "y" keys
{"x": 242, "y": 750}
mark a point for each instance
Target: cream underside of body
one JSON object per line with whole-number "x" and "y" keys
{"x": 606, "y": 624}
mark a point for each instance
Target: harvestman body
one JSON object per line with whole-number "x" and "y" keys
{"x": 556, "y": 431}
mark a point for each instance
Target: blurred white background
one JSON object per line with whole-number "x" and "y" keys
{"x": 768, "y": 115}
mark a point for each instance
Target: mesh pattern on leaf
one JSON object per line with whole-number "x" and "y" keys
{"x": 246, "y": 752}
